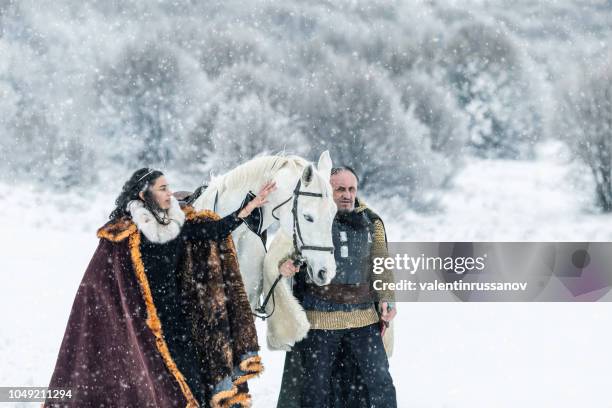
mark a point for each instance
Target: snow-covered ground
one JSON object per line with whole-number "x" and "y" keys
{"x": 447, "y": 354}
{"x": 546, "y": 199}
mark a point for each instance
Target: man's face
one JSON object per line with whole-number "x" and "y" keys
{"x": 344, "y": 185}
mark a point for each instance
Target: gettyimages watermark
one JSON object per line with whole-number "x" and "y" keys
{"x": 496, "y": 271}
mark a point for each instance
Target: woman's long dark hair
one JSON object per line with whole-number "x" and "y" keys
{"x": 141, "y": 180}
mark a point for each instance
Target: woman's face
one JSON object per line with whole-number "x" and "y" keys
{"x": 161, "y": 193}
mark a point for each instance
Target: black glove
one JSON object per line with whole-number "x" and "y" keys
{"x": 255, "y": 219}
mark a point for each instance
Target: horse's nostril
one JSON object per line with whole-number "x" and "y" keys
{"x": 322, "y": 273}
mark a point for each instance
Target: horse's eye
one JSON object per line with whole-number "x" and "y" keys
{"x": 308, "y": 218}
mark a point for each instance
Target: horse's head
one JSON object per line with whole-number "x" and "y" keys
{"x": 311, "y": 217}
{"x": 309, "y": 212}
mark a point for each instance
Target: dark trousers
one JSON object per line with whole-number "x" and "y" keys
{"x": 364, "y": 346}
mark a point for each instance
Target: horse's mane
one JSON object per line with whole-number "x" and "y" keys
{"x": 258, "y": 168}
{"x": 263, "y": 167}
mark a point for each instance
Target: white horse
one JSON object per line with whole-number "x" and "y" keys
{"x": 302, "y": 206}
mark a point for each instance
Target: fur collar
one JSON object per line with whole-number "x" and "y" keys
{"x": 153, "y": 230}
{"x": 122, "y": 228}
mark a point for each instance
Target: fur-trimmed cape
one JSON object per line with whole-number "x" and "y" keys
{"x": 114, "y": 353}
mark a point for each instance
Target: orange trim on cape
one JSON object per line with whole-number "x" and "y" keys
{"x": 154, "y": 323}
{"x": 221, "y": 399}
{"x": 243, "y": 399}
{"x": 252, "y": 367}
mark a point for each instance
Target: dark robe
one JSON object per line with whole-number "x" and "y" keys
{"x": 160, "y": 261}
{"x": 115, "y": 352}
{"x": 348, "y": 389}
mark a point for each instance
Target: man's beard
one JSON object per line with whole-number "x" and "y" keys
{"x": 351, "y": 218}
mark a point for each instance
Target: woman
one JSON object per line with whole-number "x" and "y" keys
{"x": 161, "y": 317}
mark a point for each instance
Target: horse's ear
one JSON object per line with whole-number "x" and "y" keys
{"x": 325, "y": 164}
{"x": 307, "y": 175}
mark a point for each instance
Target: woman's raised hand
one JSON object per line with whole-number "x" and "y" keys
{"x": 259, "y": 200}
{"x": 266, "y": 189}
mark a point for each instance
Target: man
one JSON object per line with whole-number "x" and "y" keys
{"x": 346, "y": 317}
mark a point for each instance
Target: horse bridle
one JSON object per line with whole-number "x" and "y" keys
{"x": 298, "y": 258}
{"x": 296, "y": 223}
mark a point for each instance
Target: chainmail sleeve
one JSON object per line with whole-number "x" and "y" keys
{"x": 380, "y": 249}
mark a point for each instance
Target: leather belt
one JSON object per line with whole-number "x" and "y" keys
{"x": 341, "y": 293}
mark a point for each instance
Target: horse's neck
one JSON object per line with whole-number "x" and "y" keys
{"x": 285, "y": 182}
{"x": 228, "y": 200}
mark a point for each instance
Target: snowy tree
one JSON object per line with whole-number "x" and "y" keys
{"x": 223, "y": 47}
{"x": 436, "y": 107}
{"x": 245, "y": 115}
{"x": 144, "y": 99}
{"x": 40, "y": 142}
{"x": 352, "y": 110}
{"x": 31, "y": 143}
{"x": 485, "y": 68}
{"x": 161, "y": 83}
{"x": 37, "y": 151}
{"x": 585, "y": 121}
{"x": 240, "y": 129}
